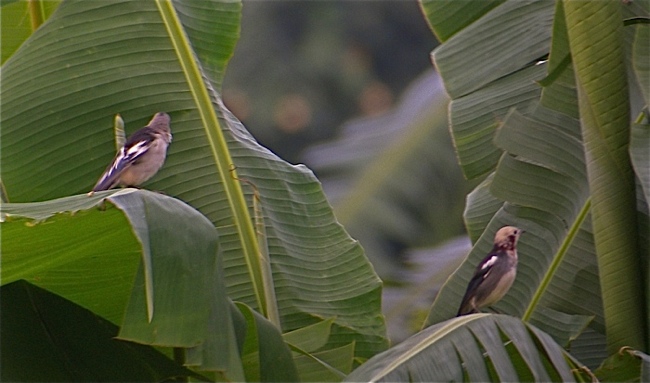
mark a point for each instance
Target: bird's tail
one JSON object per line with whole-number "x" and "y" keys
{"x": 463, "y": 310}
{"x": 105, "y": 183}
{"x": 111, "y": 175}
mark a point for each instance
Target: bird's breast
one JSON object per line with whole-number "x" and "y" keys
{"x": 501, "y": 288}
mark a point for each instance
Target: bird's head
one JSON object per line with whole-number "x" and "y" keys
{"x": 160, "y": 121}
{"x": 506, "y": 238}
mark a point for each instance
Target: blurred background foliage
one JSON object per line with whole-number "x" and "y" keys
{"x": 301, "y": 69}
{"x": 348, "y": 89}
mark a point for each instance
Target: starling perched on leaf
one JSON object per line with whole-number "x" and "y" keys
{"x": 495, "y": 274}
{"x": 141, "y": 156}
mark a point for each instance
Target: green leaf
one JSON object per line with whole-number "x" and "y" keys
{"x": 16, "y": 25}
{"x": 81, "y": 253}
{"x": 573, "y": 285}
{"x": 481, "y": 206}
{"x": 559, "y": 91}
{"x": 627, "y": 365}
{"x": 484, "y": 85}
{"x": 200, "y": 90}
{"x": 641, "y": 60}
{"x": 519, "y": 30}
{"x": 210, "y": 355}
{"x": 174, "y": 238}
{"x": 456, "y": 16}
{"x": 471, "y": 348}
{"x": 539, "y": 140}
{"x": 476, "y": 116}
{"x": 265, "y": 354}
{"x": 590, "y": 348}
{"x": 640, "y": 155}
{"x": 222, "y": 26}
{"x": 181, "y": 271}
{"x": 52, "y": 339}
{"x": 567, "y": 327}
{"x": 179, "y": 252}
{"x": 564, "y": 195}
{"x": 325, "y": 366}
{"x": 310, "y": 338}
{"x": 595, "y": 35}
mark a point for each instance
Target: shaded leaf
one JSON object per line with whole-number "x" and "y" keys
{"x": 176, "y": 241}
{"x": 325, "y": 366}
{"x": 48, "y": 338}
{"x": 84, "y": 254}
{"x": 640, "y": 155}
{"x": 590, "y": 347}
{"x": 178, "y": 272}
{"x": 567, "y": 328}
{"x": 560, "y": 95}
{"x": 267, "y": 357}
{"x": 310, "y": 338}
{"x": 641, "y": 60}
{"x": 624, "y": 366}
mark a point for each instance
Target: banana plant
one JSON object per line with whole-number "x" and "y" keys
{"x": 549, "y": 109}
{"x": 235, "y": 222}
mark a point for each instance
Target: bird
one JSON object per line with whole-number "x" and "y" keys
{"x": 141, "y": 156}
{"x": 494, "y": 275}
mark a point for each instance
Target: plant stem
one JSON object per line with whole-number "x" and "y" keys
{"x": 35, "y": 13}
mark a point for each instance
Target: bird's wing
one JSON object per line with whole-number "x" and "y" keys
{"x": 480, "y": 274}
{"x": 135, "y": 147}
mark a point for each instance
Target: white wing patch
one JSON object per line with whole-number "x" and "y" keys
{"x": 489, "y": 262}
{"x": 124, "y": 157}
{"x": 118, "y": 159}
{"x": 136, "y": 150}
